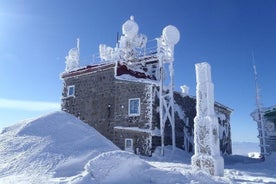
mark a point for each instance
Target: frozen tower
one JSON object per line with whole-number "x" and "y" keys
{"x": 207, "y": 152}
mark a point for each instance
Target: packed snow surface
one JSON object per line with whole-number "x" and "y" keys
{"x": 59, "y": 148}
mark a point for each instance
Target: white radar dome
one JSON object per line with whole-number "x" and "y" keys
{"x": 171, "y": 34}
{"x": 130, "y": 28}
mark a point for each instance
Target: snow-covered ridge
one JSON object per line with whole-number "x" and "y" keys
{"x": 54, "y": 145}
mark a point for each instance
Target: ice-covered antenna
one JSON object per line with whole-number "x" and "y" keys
{"x": 130, "y": 28}
{"x": 165, "y": 52}
{"x": 171, "y": 35}
{"x": 260, "y": 121}
{"x": 117, "y": 38}
{"x": 78, "y": 45}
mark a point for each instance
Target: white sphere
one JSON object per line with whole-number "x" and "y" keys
{"x": 171, "y": 34}
{"x": 73, "y": 53}
{"x": 130, "y": 28}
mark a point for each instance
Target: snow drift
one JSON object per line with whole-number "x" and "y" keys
{"x": 59, "y": 148}
{"x": 52, "y": 146}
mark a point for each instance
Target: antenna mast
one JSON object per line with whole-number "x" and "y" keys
{"x": 78, "y": 45}
{"x": 165, "y": 52}
{"x": 260, "y": 120}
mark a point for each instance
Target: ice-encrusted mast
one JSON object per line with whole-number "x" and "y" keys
{"x": 128, "y": 46}
{"x": 259, "y": 118}
{"x": 73, "y": 58}
{"x": 165, "y": 51}
{"x": 206, "y": 136}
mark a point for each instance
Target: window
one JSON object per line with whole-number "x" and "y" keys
{"x": 71, "y": 91}
{"x": 134, "y": 107}
{"x": 129, "y": 144}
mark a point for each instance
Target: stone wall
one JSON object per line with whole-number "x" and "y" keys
{"x": 141, "y": 140}
{"x": 102, "y": 101}
{"x": 125, "y": 90}
{"x": 224, "y": 129}
{"x": 94, "y": 99}
{"x": 188, "y": 105}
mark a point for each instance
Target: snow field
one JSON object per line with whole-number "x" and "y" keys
{"x": 59, "y": 148}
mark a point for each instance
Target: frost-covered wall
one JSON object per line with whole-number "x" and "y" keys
{"x": 101, "y": 100}
{"x": 188, "y": 106}
{"x": 223, "y": 113}
{"x": 93, "y": 100}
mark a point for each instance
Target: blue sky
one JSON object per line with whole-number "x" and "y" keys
{"x": 36, "y": 35}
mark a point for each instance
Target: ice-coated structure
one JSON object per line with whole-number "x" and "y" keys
{"x": 165, "y": 51}
{"x": 185, "y": 90}
{"x": 129, "y": 44}
{"x": 128, "y": 50}
{"x": 128, "y": 94}
{"x": 266, "y": 119}
{"x": 206, "y": 136}
{"x": 73, "y": 58}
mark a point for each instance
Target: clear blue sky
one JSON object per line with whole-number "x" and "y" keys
{"x": 35, "y": 36}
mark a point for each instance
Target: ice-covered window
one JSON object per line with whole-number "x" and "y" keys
{"x": 129, "y": 144}
{"x": 71, "y": 91}
{"x": 134, "y": 107}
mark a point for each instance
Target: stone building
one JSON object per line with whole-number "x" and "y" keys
{"x": 120, "y": 97}
{"x": 126, "y": 111}
{"x": 266, "y": 124}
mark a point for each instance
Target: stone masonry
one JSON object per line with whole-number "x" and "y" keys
{"x": 101, "y": 100}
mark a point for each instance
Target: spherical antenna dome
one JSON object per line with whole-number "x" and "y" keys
{"x": 73, "y": 52}
{"x": 171, "y": 34}
{"x": 130, "y": 28}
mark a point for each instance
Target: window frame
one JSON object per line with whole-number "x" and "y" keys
{"x": 138, "y": 108}
{"x": 68, "y": 91}
{"x": 129, "y": 148}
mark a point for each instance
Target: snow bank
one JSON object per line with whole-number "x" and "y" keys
{"x": 59, "y": 148}
{"x": 176, "y": 155}
{"x": 52, "y": 146}
{"x": 118, "y": 167}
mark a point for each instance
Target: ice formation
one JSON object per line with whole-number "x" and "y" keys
{"x": 165, "y": 52}
{"x": 207, "y": 152}
{"x": 73, "y": 58}
{"x": 184, "y": 90}
{"x": 170, "y": 37}
{"x": 133, "y": 63}
{"x": 130, "y": 44}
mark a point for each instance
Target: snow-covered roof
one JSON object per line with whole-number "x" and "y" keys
{"x": 270, "y": 112}
{"x": 88, "y": 69}
{"x": 133, "y": 71}
{"x": 123, "y": 69}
